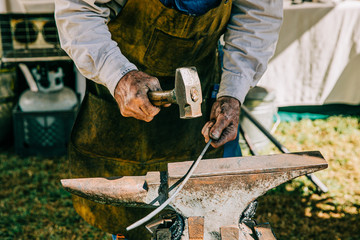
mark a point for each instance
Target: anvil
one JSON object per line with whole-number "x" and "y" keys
{"x": 218, "y": 191}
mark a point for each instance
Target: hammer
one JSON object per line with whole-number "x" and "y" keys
{"x": 187, "y": 93}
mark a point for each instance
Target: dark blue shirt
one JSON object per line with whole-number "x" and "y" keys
{"x": 192, "y": 7}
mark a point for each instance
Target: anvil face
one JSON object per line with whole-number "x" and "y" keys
{"x": 219, "y": 190}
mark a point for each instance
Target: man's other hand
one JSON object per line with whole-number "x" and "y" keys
{"x": 131, "y": 95}
{"x": 224, "y": 121}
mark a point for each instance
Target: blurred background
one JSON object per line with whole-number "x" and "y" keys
{"x": 308, "y": 100}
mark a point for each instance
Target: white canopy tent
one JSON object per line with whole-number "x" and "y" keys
{"x": 317, "y": 60}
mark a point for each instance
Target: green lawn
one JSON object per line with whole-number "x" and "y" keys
{"x": 295, "y": 210}
{"x": 34, "y": 206}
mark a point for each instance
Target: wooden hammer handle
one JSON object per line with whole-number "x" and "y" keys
{"x": 160, "y": 98}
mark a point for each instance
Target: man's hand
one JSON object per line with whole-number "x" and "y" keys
{"x": 131, "y": 95}
{"x": 224, "y": 121}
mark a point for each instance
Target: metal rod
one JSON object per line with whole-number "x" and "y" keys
{"x": 264, "y": 130}
{"x": 283, "y": 149}
{"x": 162, "y": 206}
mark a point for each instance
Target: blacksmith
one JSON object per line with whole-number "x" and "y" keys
{"x": 126, "y": 48}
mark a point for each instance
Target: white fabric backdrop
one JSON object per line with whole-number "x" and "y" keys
{"x": 317, "y": 60}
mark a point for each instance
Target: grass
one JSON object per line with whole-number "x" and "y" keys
{"x": 296, "y": 210}
{"x": 34, "y": 206}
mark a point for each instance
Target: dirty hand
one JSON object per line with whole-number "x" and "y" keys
{"x": 131, "y": 95}
{"x": 224, "y": 121}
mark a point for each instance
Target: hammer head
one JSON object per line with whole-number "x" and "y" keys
{"x": 188, "y": 92}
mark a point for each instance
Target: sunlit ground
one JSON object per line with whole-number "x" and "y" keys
{"x": 296, "y": 210}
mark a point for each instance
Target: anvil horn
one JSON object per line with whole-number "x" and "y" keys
{"x": 118, "y": 191}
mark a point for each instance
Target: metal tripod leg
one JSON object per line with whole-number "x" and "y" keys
{"x": 321, "y": 186}
{"x": 248, "y": 141}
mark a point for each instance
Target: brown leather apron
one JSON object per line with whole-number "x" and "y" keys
{"x": 103, "y": 143}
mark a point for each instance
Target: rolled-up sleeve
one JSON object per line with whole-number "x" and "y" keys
{"x": 85, "y": 37}
{"x": 250, "y": 41}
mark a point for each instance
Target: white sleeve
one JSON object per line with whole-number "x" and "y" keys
{"x": 85, "y": 37}
{"x": 250, "y": 41}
